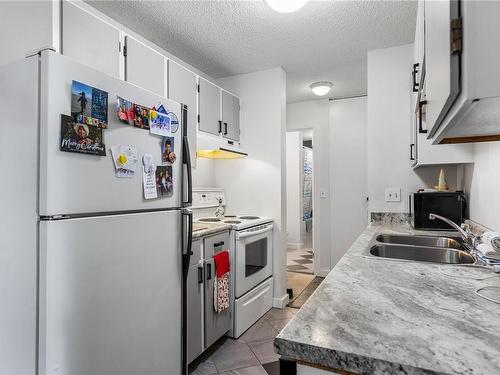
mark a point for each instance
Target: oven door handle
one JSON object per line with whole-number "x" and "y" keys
{"x": 240, "y": 236}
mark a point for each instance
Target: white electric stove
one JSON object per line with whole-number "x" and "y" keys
{"x": 251, "y": 256}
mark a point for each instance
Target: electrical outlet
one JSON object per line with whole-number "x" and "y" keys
{"x": 323, "y": 193}
{"x": 393, "y": 194}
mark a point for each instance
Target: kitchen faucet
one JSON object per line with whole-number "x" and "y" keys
{"x": 464, "y": 230}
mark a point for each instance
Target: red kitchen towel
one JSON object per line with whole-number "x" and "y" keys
{"x": 222, "y": 263}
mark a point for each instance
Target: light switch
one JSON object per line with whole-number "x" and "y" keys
{"x": 393, "y": 194}
{"x": 323, "y": 193}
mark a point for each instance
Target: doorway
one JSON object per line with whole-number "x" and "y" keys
{"x": 300, "y": 215}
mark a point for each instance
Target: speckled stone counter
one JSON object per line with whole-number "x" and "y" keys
{"x": 206, "y": 229}
{"x": 379, "y": 316}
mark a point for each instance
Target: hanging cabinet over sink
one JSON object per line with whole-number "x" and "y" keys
{"x": 421, "y": 150}
{"x": 461, "y": 71}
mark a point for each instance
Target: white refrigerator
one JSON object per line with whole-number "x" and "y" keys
{"x": 92, "y": 275}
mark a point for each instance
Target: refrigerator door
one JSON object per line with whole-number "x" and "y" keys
{"x": 110, "y": 295}
{"x": 73, "y": 183}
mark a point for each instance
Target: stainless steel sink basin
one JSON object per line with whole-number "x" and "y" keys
{"x": 422, "y": 253}
{"x": 428, "y": 241}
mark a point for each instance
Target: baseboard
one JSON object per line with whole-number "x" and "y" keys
{"x": 295, "y": 245}
{"x": 280, "y": 302}
{"x": 323, "y": 273}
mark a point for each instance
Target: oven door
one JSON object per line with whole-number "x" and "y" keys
{"x": 253, "y": 257}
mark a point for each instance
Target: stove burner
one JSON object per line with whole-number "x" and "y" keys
{"x": 209, "y": 220}
{"x": 228, "y": 216}
{"x": 232, "y": 221}
{"x": 249, "y": 217}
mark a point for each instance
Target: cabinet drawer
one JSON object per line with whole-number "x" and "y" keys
{"x": 215, "y": 244}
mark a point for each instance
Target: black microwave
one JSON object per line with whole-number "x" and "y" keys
{"x": 451, "y": 205}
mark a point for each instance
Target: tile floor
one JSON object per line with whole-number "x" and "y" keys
{"x": 251, "y": 354}
{"x": 298, "y": 282}
{"x": 301, "y": 260}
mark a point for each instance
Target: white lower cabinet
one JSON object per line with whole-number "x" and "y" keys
{"x": 204, "y": 324}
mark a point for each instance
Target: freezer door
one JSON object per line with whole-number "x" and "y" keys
{"x": 110, "y": 295}
{"x": 73, "y": 183}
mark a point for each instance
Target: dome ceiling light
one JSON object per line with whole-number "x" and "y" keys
{"x": 286, "y": 6}
{"x": 321, "y": 88}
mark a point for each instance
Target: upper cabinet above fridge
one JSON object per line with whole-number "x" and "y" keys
{"x": 90, "y": 40}
{"x": 461, "y": 73}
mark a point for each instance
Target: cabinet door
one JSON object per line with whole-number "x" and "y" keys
{"x": 194, "y": 311}
{"x": 442, "y": 62}
{"x": 182, "y": 89}
{"x": 216, "y": 324}
{"x": 89, "y": 40}
{"x": 230, "y": 116}
{"x": 144, "y": 66}
{"x": 209, "y": 107}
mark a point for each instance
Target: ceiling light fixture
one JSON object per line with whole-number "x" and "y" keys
{"x": 321, "y": 88}
{"x": 286, "y": 6}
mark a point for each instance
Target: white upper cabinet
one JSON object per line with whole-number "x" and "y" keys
{"x": 461, "y": 70}
{"x": 89, "y": 40}
{"x": 442, "y": 59}
{"x": 230, "y": 116}
{"x": 422, "y": 151}
{"x": 209, "y": 107}
{"x": 144, "y": 66}
{"x": 182, "y": 88}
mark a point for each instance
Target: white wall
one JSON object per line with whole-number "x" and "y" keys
{"x": 315, "y": 114}
{"x": 348, "y": 173}
{"x": 294, "y": 200}
{"x": 254, "y": 184}
{"x": 388, "y": 131}
{"x": 204, "y": 173}
{"x": 482, "y": 181}
{"x": 27, "y": 26}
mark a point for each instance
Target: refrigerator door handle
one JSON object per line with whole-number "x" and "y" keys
{"x": 187, "y": 232}
{"x": 187, "y": 189}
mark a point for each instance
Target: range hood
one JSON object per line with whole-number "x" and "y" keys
{"x": 215, "y": 147}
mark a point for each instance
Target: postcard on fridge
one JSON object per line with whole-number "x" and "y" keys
{"x": 160, "y": 124}
{"x": 89, "y": 105}
{"x": 124, "y": 157}
{"x": 141, "y": 117}
{"x": 164, "y": 183}
{"x": 125, "y": 111}
{"x": 167, "y": 150}
{"x": 81, "y": 138}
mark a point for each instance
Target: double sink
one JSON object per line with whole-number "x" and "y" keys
{"x": 451, "y": 250}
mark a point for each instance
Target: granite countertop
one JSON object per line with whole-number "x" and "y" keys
{"x": 206, "y": 229}
{"x": 379, "y": 316}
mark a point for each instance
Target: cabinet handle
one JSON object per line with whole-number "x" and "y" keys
{"x": 411, "y": 151}
{"x": 218, "y": 244}
{"x": 200, "y": 275}
{"x": 209, "y": 271}
{"x": 225, "y": 128}
{"x": 421, "y": 130}
{"x": 220, "y": 126}
{"x": 414, "y": 75}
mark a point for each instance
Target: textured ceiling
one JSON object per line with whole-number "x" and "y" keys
{"x": 325, "y": 40}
